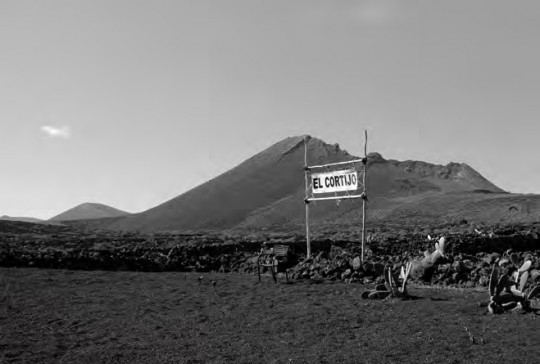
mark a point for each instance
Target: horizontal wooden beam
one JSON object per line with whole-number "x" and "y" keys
{"x": 333, "y": 198}
{"x": 337, "y": 163}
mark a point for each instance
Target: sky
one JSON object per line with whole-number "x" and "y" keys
{"x": 131, "y": 103}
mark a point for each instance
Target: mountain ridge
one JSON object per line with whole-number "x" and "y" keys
{"x": 267, "y": 190}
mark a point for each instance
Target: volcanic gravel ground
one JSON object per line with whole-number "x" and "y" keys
{"x": 125, "y": 317}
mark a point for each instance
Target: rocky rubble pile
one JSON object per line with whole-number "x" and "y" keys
{"x": 136, "y": 257}
{"x": 465, "y": 265}
{"x": 461, "y": 243}
{"x": 460, "y": 270}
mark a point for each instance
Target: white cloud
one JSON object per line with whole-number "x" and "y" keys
{"x": 56, "y": 132}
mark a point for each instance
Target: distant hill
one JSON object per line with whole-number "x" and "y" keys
{"x": 23, "y": 219}
{"x": 267, "y": 192}
{"x": 88, "y": 211}
{"x": 23, "y": 227}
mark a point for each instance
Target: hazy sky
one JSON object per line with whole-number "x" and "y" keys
{"x": 130, "y": 103}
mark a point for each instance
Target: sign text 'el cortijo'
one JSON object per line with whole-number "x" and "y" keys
{"x": 336, "y": 181}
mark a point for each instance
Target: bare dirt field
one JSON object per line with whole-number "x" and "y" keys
{"x": 131, "y": 317}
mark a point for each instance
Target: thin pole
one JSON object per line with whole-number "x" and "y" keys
{"x": 307, "y": 199}
{"x": 365, "y": 196}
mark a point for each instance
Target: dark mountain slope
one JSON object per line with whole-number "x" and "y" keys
{"x": 397, "y": 191}
{"x": 267, "y": 191}
{"x": 228, "y": 199}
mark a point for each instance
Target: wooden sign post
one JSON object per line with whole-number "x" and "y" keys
{"x": 342, "y": 183}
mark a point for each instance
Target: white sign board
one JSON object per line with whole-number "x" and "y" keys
{"x": 337, "y": 181}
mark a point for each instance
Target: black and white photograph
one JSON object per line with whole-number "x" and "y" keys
{"x": 269, "y": 181}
